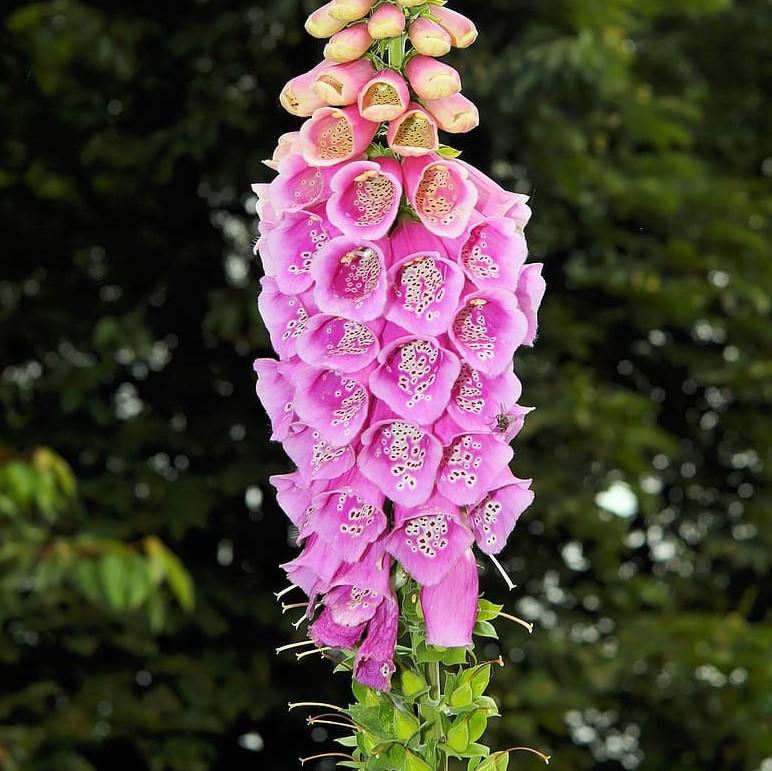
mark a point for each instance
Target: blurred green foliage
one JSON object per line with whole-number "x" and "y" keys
{"x": 129, "y": 134}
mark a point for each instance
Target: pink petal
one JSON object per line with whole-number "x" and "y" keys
{"x": 350, "y": 279}
{"x": 334, "y": 404}
{"x": 276, "y": 392}
{"x": 530, "y": 292}
{"x": 488, "y": 329}
{"x": 495, "y": 517}
{"x": 285, "y": 317}
{"x": 374, "y": 663}
{"x": 315, "y": 458}
{"x": 335, "y": 135}
{"x": 415, "y": 378}
{"x": 424, "y": 290}
{"x": 428, "y": 544}
{"x": 366, "y": 198}
{"x": 450, "y": 606}
{"x": 469, "y": 466}
{"x": 338, "y": 343}
{"x": 299, "y": 185}
{"x": 441, "y": 194}
{"x": 493, "y": 253}
{"x": 294, "y": 495}
{"x": 402, "y": 459}
{"x": 314, "y": 568}
{"x": 325, "y": 632}
{"x": 477, "y": 400}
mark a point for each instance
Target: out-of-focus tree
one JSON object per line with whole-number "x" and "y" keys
{"x": 129, "y": 136}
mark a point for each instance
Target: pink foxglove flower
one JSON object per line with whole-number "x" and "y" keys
{"x": 293, "y": 245}
{"x": 351, "y": 279}
{"x": 387, "y": 21}
{"x": 477, "y": 400}
{"x": 348, "y": 44}
{"x": 488, "y": 329}
{"x": 429, "y": 539}
{"x": 469, "y": 465}
{"x": 314, "y": 568}
{"x": 493, "y": 252}
{"x": 450, "y": 606}
{"x": 340, "y": 84}
{"x": 315, "y": 457}
{"x": 374, "y": 663}
{"x": 334, "y": 403}
{"x": 300, "y": 185}
{"x": 294, "y": 495}
{"x": 325, "y": 632}
{"x": 429, "y": 38}
{"x": 495, "y": 517}
{"x": 339, "y": 343}
{"x": 402, "y": 458}
{"x": 384, "y": 97}
{"x": 285, "y": 317}
{"x": 414, "y": 133}
{"x": 276, "y": 391}
{"x": 298, "y": 96}
{"x": 530, "y": 292}
{"x": 321, "y": 23}
{"x": 284, "y": 147}
{"x": 461, "y": 29}
{"x": 366, "y": 198}
{"x": 415, "y": 378}
{"x": 350, "y": 10}
{"x": 334, "y": 135}
{"x": 441, "y": 194}
{"x": 431, "y": 78}
{"x": 455, "y": 114}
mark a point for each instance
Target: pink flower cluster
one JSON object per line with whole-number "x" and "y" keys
{"x": 396, "y": 294}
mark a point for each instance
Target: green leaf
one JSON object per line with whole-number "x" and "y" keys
{"x": 486, "y": 629}
{"x": 481, "y": 679}
{"x": 458, "y": 735}
{"x": 448, "y": 152}
{"x": 113, "y": 577}
{"x": 412, "y": 684}
{"x": 463, "y": 696}
{"x": 488, "y": 611}
{"x": 406, "y": 725}
{"x": 478, "y": 722}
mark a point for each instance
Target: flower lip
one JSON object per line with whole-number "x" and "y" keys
{"x": 350, "y": 279}
{"x": 384, "y": 97}
{"x": 414, "y": 134}
{"x": 424, "y": 290}
{"x": 339, "y": 343}
{"x": 335, "y": 135}
{"x": 366, "y": 198}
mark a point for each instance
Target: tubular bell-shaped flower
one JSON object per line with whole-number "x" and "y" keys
{"x": 276, "y": 392}
{"x": 429, "y": 38}
{"x": 384, "y": 97}
{"x": 461, "y": 29}
{"x": 366, "y": 198}
{"x": 374, "y": 663}
{"x": 387, "y": 21}
{"x": 351, "y": 279}
{"x": 334, "y": 135}
{"x": 488, "y": 329}
{"x": 350, "y": 10}
{"x": 298, "y": 96}
{"x": 348, "y": 44}
{"x": 285, "y": 317}
{"x": 455, "y": 113}
{"x": 414, "y": 133}
{"x": 321, "y": 23}
{"x": 440, "y": 193}
{"x": 450, "y": 606}
{"x": 530, "y": 292}
{"x": 339, "y": 343}
{"x": 339, "y": 85}
{"x": 432, "y": 79}
{"x": 300, "y": 185}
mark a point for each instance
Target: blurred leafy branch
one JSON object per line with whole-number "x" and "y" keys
{"x": 45, "y": 552}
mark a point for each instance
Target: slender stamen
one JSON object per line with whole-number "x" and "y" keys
{"x": 316, "y": 721}
{"x": 299, "y": 656}
{"x": 517, "y": 620}
{"x": 295, "y": 645}
{"x": 294, "y": 606}
{"x": 328, "y": 715}
{"x": 510, "y": 584}
{"x": 303, "y": 761}
{"x": 302, "y": 620}
{"x": 279, "y": 595}
{"x": 295, "y": 705}
{"x": 545, "y": 758}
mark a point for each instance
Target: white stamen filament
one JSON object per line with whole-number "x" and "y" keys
{"x": 517, "y": 620}
{"x": 279, "y": 595}
{"x": 510, "y": 584}
{"x": 299, "y": 656}
{"x": 303, "y": 761}
{"x": 295, "y": 705}
{"x": 303, "y": 644}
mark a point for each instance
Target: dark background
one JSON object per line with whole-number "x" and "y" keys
{"x": 129, "y": 135}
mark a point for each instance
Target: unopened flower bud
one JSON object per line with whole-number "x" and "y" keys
{"x": 348, "y": 44}
{"x": 432, "y": 79}
{"x": 386, "y": 22}
{"x": 429, "y": 38}
{"x": 341, "y": 84}
{"x": 321, "y": 23}
{"x": 385, "y": 97}
{"x": 414, "y": 133}
{"x": 462, "y": 30}
{"x": 455, "y": 114}
{"x": 350, "y": 10}
{"x": 298, "y": 96}
{"x": 410, "y": 3}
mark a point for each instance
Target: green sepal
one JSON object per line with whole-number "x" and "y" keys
{"x": 488, "y": 704}
{"x": 412, "y": 684}
{"x": 488, "y": 611}
{"x": 485, "y": 629}
{"x": 462, "y": 696}
{"x": 458, "y": 736}
{"x": 481, "y": 679}
{"x": 406, "y": 725}
{"x": 446, "y": 151}
{"x": 478, "y": 722}
{"x": 348, "y": 741}
{"x": 499, "y": 761}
